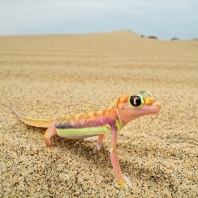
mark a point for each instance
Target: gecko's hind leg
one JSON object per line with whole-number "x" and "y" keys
{"x": 98, "y": 144}
{"x": 51, "y": 131}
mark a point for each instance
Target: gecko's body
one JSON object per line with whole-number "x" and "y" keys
{"x": 111, "y": 121}
{"x": 83, "y": 126}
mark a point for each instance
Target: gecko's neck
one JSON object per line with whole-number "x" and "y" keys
{"x": 124, "y": 116}
{"x": 114, "y": 115}
{"x": 119, "y": 117}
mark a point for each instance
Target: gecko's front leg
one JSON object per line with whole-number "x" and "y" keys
{"x": 120, "y": 178}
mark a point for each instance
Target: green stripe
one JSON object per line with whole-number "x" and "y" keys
{"x": 83, "y": 132}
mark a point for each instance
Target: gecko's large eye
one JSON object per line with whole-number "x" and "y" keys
{"x": 135, "y": 101}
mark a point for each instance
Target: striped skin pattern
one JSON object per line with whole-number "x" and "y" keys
{"x": 82, "y": 126}
{"x": 85, "y": 121}
{"x": 110, "y": 121}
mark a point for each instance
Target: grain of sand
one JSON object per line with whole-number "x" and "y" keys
{"x": 56, "y": 75}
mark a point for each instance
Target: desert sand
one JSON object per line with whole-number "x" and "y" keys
{"x": 51, "y": 76}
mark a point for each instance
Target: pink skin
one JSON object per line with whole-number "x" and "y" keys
{"x": 51, "y": 131}
{"x": 99, "y": 143}
{"x": 120, "y": 178}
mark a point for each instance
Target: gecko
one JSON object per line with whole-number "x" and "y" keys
{"x": 97, "y": 125}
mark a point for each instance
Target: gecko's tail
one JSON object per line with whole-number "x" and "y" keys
{"x": 31, "y": 121}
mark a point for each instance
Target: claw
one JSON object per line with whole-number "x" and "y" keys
{"x": 122, "y": 182}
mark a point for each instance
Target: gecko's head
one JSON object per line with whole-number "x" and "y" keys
{"x": 133, "y": 106}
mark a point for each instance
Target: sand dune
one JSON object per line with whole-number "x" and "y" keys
{"x": 56, "y": 75}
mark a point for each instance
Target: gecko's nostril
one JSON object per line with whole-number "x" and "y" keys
{"x": 158, "y": 105}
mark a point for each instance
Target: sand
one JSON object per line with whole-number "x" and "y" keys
{"x": 56, "y": 75}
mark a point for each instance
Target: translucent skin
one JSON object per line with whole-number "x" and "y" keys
{"x": 101, "y": 118}
{"x": 98, "y": 124}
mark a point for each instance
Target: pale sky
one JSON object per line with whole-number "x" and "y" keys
{"x": 163, "y": 19}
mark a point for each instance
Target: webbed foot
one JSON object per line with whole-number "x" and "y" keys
{"x": 122, "y": 182}
{"x": 53, "y": 148}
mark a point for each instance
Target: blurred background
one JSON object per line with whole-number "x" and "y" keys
{"x": 163, "y": 19}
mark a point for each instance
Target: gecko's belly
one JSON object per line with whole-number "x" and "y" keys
{"x": 79, "y": 133}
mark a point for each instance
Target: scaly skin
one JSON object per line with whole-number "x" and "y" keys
{"x": 111, "y": 121}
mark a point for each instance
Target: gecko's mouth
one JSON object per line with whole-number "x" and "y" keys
{"x": 157, "y": 107}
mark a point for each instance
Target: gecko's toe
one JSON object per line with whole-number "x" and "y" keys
{"x": 97, "y": 148}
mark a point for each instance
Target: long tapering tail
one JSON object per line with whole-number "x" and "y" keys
{"x": 33, "y": 122}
